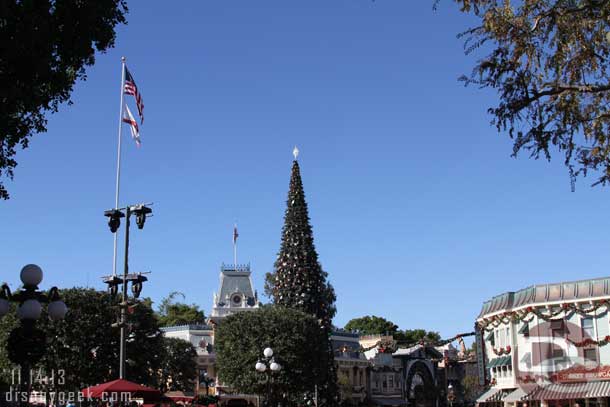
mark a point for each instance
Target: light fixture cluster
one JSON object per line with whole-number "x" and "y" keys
{"x": 30, "y": 300}
{"x": 268, "y": 362}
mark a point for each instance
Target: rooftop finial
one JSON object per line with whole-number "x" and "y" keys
{"x": 295, "y": 152}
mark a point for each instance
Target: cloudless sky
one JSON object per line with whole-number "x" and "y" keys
{"x": 419, "y": 212}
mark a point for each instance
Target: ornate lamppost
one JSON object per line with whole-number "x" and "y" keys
{"x": 114, "y": 216}
{"x": 268, "y": 365}
{"x": 26, "y": 344}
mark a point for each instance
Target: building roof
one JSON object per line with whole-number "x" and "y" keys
{"x": 190, "y": 327}
{"x": 235, "y": 292}
{"x": 546, "y": 293}
{"x": 418, "y": 351}
{"x": 234, "y": 279}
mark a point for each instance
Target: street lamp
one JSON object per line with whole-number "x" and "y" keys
{"x": 450, "y": 394}
{"x": 26, "y": 343}
{"x": 141, "y": 212}
{"x": 268, "y": 365}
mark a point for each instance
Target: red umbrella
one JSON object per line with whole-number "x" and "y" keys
{"x": 118, "y": 388}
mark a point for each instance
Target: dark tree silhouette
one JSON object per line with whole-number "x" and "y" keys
{"x": 46, "y": 46}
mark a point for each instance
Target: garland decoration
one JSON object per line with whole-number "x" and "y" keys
{"x": 502, "y": 351}
{"x": 590, "y": 342}
{"x": 528, "y": 314}
{"x": 390, "y": 346}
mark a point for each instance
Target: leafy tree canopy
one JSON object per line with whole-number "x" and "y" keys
{"x": 179, "y": 370}
{"x": 176, "y": 313}
{"x": 296, "y": 340}
{"x": 549, "y": 62}
{"x": 372, "y": 325}
{"x": 46, "y": 46}
{"x": 417, "y": 335}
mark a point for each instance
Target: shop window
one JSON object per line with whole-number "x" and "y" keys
{"x": 557, "y": 326}
{"x": 508, "y": 341}
{"x": 587, "y": 327}
{"x": 590, "y": 357}
{"x": 391, "y": 382}
{"x": 558, "y": 358}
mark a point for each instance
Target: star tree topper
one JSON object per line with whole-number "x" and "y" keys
{"x": 295, "y": 152}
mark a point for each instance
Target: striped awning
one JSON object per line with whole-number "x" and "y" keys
{"x": 493, "y": 394}
{"x": 501, "y": 361}
{"x": 568, "y": 391}
{"x": 519, "y": 394}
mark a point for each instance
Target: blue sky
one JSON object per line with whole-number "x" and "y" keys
{"x": 419, "y": 212}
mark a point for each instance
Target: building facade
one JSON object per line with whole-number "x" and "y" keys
{"x": 352, "y": 367}
{"x": 235, "y": 294}
{"x": 546, "y": 345}
{"x": 400, "y": 376}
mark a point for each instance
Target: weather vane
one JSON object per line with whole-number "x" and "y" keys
{"x": 295, "y": 152}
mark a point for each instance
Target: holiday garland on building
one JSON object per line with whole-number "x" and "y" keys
{"x": 565, "y": 310}
{"x": 299, "y": 281}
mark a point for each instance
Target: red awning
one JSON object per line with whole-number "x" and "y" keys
{"x": 569, "y": 391}
{"x": 118, "y": 388}
{"x": 178, "y": 396}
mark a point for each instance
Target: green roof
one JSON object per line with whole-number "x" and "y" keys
{"x": 501, "y": 361}
{"x": 543, "y": 293}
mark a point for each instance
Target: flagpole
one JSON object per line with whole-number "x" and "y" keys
{"x": 118, "y": 161}
{"x": 235, "y": 246}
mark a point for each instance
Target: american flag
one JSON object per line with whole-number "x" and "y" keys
{"x": 132, "y": 89}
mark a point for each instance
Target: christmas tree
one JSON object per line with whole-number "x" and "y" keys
{"x": 300, "y": 283}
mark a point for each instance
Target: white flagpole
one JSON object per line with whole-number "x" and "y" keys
{"x": 235, "y": 246}
{"x": 118, "y": 160}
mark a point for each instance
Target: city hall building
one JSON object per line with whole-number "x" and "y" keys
{"x": 546, "y": 346}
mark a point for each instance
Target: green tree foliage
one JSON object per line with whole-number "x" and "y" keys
{"x": 299, "y": 281}
{"x": 7, "y": 324}
{"x": 46, "y": 46}
{"x": 179, "y": 370}
{"x": 176, "y": 313}
{"x": 417, "y": 335}
{"x": 86, "y": 349}
{"x": 372, "y": 325}
{"x": 296, "y": 339}
{"x": 549, "y": 62}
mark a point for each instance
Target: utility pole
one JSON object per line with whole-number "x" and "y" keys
{"x": 137, "y": 279}
{"x": 124, "y": 303}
